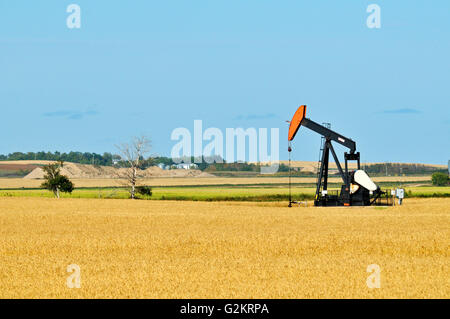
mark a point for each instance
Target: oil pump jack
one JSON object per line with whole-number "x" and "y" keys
{"x": 357, "y": 189}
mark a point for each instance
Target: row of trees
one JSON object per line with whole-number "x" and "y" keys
{"x": 75, "y": 157}
{"x": 105, "y": 159}
{"x": 398, "y": 168}
{"x": 239, "y": 167}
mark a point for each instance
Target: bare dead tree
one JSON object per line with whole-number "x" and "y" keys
{"x": 133, "y": 153}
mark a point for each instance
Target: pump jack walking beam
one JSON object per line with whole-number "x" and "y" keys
{"x": 299, "y": 119}
{"x": 329, "y": 134}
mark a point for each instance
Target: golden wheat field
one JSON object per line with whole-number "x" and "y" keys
{"x": 168, "y": 249}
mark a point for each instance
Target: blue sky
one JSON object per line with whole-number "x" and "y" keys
{"x": 147, "y": 67}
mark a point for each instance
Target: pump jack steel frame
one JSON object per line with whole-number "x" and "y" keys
{"x": 322, "y": 198}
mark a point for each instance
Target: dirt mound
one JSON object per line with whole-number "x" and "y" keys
{"x": 77, "y": 171}
{"x": 73, "y": 170}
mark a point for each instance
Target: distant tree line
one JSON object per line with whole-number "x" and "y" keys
{"x": 75, "y": 157}
{"x": 105, "y": 159}
{"x": 240, "y": 167}
{"x": 210, "y": 164}
{"x": 399, "y": 169}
